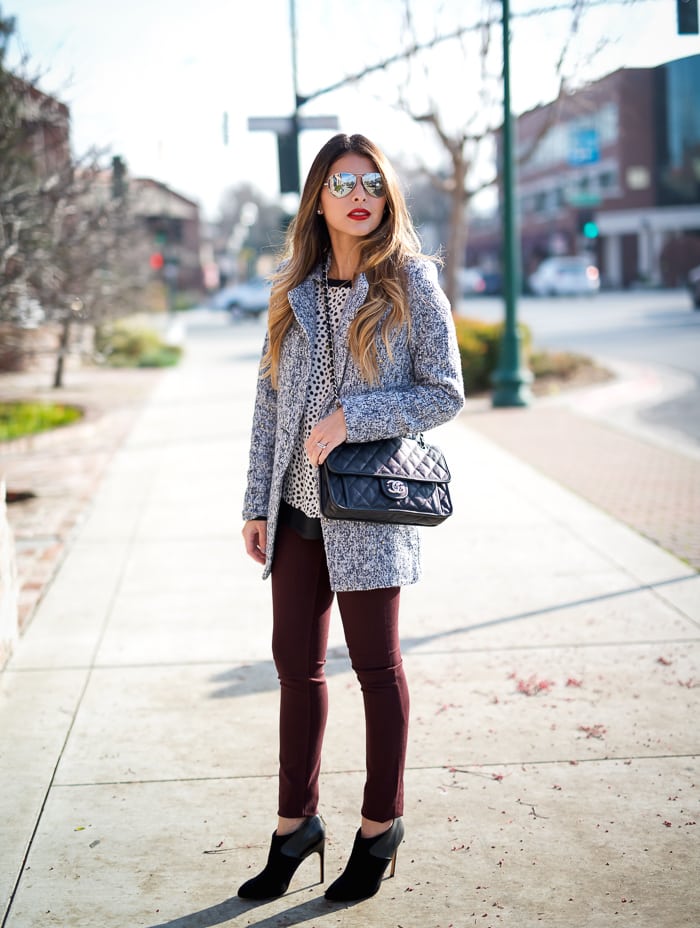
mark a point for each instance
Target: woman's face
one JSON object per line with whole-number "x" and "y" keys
{"x": 358, "y": 213}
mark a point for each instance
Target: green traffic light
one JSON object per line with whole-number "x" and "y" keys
{"x": 590, "y": 230}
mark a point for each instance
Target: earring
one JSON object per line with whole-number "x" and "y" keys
{"x": 319, "y": 211}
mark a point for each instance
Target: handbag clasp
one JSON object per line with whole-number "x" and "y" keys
{"x": 395, "y": 489}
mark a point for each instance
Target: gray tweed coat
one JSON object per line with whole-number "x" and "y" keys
{"x": 420, "y": 388}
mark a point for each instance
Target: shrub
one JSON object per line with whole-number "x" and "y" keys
{"x": 165, "y": 356}
{"x": 132, "y": 342}
{"x": 560, "y": 364}
{"x": 18, "y": 419}
{"x": 478, "y": 348}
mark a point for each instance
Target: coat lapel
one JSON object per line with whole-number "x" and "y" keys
{"x": 302, "y": 299}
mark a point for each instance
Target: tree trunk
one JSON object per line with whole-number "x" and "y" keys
{"x": 457, "y": 234}
{"x": 63, "y": 344}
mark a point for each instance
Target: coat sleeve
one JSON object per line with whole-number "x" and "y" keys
{"x": 262, "y": 448}
{"x": 436, "y": 394}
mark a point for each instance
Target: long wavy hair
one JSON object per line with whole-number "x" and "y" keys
{"x": 382, "y": 258}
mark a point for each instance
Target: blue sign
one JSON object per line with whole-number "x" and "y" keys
{"x": 584, "y": 147}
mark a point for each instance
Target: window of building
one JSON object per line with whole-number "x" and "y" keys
{"x": 608, "y": 183}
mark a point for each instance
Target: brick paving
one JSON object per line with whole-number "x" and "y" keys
{"x": 653, "y": 489}
{"x": 62, "y": 468}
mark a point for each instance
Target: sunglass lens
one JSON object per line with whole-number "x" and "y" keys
{"x": 373, "y": 184}
{"x": 340, "y": 185}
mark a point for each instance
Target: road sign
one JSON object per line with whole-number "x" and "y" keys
{"x": 284, "y": 125}
{"x": 583, "y": 199}
{"x": 318, "y": 122}
{"x": 585, "y": 147}
{"x": 281, "y": 124}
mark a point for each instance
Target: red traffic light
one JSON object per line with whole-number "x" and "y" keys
{"x": 156, "y": 261}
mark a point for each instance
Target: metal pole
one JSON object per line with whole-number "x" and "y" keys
{"x": 510, "y": 380}
{"x": 295, "y": 85}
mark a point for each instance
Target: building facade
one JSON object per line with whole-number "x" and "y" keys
{"x": 612, "y": 171}
{"x": 172, "y": 224}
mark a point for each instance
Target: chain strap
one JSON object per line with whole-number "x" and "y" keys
{"x": 329, "y": 331}
{"x": 329, "y": 335}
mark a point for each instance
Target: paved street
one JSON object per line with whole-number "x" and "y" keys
{"x": 553, "y": 657}
{"x": 653, "y": 335}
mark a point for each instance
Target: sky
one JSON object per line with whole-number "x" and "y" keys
{"x": 151, "y": 80}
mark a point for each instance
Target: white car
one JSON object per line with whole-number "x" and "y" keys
{"x": 249, "y": 298}
{"x": 470, "y": 281}
{"x": 565, "y": 276}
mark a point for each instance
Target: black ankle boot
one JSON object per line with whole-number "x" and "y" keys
{"x": 368, "y": 860}
{"x": 286, "y": 853}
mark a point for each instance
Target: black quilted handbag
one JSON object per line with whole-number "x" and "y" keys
{"x": 400, "y": 480}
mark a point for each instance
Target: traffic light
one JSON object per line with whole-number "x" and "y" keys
{"x": 687, "y": 13}
{"x": 118, "y": 177}
{"x": 288, "y": 154}
{"x": 587, "y": 225}
{"x": 156, "y": 261}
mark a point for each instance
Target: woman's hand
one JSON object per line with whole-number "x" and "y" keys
{"x": 325, "y": 436}
{"x": 255, "y": 538}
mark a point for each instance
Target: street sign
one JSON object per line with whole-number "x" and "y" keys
{"x": 585, "y": 147}
{"x": 284, "y": 125}
{"x": 583, "y": 199}
{"x": 318, "y": 122}
{"x": 281, "y": 124}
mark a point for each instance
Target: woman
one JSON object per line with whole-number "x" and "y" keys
{"x": 353, "y": 260}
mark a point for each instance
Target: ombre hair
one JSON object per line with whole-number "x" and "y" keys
{"x": 383, "y": 255}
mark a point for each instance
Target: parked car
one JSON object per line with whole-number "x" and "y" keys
{"x": 248, "y": 298}
{"x": 565, "y": 276}
{"x": 493, "y": 282}
{"x": 694, "y": 286}
{"x": 470, "y": 281}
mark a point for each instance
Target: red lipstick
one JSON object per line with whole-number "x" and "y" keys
{"x": 359, "y": 214}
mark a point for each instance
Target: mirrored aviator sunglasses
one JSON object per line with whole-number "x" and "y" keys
{"x": 342, "y": 184}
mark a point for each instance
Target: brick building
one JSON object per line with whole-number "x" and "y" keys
{"x": 45, "y": 128}
{"x": 614, "y": 173}
{"x": 172, "y": 222}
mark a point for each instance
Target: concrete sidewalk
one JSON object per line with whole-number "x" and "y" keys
{"x": 554, "y": 663}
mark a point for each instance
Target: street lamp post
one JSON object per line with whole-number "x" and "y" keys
{"x": 511, "y": 381}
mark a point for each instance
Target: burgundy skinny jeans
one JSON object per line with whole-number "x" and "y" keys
{"x": 301, "y": 602}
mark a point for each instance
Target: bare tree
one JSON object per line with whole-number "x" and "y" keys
{"x": 71, "y": 251}
{"x": 465, "y": 134}
{"x": 94, "y": 252}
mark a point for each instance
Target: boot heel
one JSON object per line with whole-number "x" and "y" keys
{"x": 286, "y": 854}
{"x": 368, "y": 861}
{"x": 319, "y": 849}
{"x": 321, "y": 861}
{"x": 393, "y": 863}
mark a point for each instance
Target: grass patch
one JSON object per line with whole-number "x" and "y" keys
{"x": 18, "y": 419}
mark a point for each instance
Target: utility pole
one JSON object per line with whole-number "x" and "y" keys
{"x": 287, "y": 128}
{"x": 510, "y": 379}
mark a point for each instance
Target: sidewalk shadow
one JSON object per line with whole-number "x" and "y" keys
{"x": 408, "y": 643}
{"x": 231, "y": 909}
{"x": 261, "y": 676}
